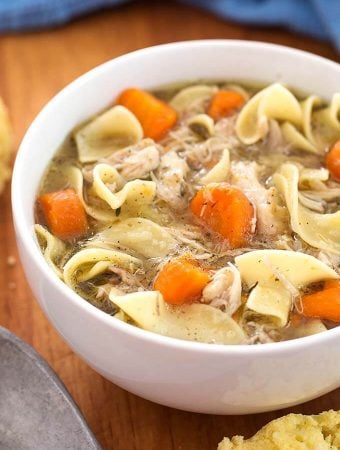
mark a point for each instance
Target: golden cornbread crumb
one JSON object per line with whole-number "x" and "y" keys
{"x": 292, "y": 432}
{"x": 5, "y": 145}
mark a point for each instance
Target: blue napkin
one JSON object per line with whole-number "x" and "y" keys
{"x": 22, "y": 15}
{"x": 317, "y": 18}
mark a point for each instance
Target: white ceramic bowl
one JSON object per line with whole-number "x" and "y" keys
{"x": 185, "y": 375}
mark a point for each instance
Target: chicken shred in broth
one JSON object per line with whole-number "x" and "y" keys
{"x": 212, "y": 216}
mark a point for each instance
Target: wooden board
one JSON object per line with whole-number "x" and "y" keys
{"x": 33, "y": 67}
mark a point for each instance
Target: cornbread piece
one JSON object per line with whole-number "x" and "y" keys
{"x": 292, "y": 432}
{"x": 5, "y": 145}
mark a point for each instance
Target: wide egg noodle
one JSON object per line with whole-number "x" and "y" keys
{"x": 192, "y": 95}
{"x": 140, "y": 235}
{"x": 273, "y": 275}
{"x": 297, "y": 139}
{"x": 133, "y": 194}
{"x": 307, "y": 106}
{"x": 102, "y": 213}
{"x": 273, "y": 102}
{"x": 51, "y": 248}
{"x": 203, "y": 125}
{"x": 114, "y": 129}
{"x": 219, "y": 172}
{"x": 303, "y": 138}
{"x": 195, "y": 322}
{"x": 318, "y": 230}
{"x": 313, "y": 178}
{"x": 320, "y": 126}
{"x": 273, "y": 302}
{"x": 300, "y": 269}
{"x": 311, "y": 185}
{"x": 327, "y": 122}
{"x": 91, "y": 262}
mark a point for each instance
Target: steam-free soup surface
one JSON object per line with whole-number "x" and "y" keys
{"x": 202, "y": 211}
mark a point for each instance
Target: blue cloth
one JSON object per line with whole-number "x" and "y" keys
{"x": 22, "y": 15}
{"x": 317, "y": 18}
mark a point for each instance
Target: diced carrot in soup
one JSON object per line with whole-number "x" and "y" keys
{"x": 224, "y": 103}
{"x": 64, "y": 213}
{"x": 332, "y": 161}
{"x": 331, "y": 284}
{"x": 181, "y": 281}
{"x": 323, "y": 304}
{"x": 227, "y": 211}
{"x": 155, "y": 116}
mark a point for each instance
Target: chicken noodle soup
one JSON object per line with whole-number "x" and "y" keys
{"x": 207, "y": 212}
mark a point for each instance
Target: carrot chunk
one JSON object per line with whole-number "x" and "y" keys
{"x": 323, "y": 304}
{"x": 227, "y": 211}
{"x": 224, "y": 103}
{"x": 331, "y": 284}
{"x": 181, "y": 281}
{"x": 155, "y": 116}
{"x": 64, "y": 213}
{"x": 332, "y": 161}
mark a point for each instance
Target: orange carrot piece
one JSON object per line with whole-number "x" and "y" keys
{"x": 181, "y": 281}
{"x": 64, "y": 213}
{"x": 155, "y": 116}
{"x": 331, "y": 284}
{"x": 224, "y": 103}
{"x": 332, "y": 161}
{"x": 227, "y": 211}
{"x": 323, "y": 304}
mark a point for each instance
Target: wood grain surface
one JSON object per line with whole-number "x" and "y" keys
{"x": 34, "y": 67}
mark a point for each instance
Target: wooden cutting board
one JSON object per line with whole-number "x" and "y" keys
{"x": 33, "y": 67}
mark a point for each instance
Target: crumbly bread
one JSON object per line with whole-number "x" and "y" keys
{"x": 5, "y": 145}
{"x": 292, "y": 432}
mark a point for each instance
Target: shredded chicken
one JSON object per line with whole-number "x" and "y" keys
{"x": 331, "y": 259}
{"x": 139, "y": 164}
{"x": 119, "y": 156}
{"x": 172, "y": 185}
{"x": 135, "y": 161}
{"x": 122, "y": 282}
{"x": 103, "y": 291}
{"x": 198, "y": 155}
{"x": 244, "y": 176}
{"x": 258, "y": 333}
{"x": 191, "y": 238}
{"x": 224, "y": 291}
{"x": 284, "y": 243}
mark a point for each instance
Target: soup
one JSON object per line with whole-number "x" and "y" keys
{"x": 205, "y": 211}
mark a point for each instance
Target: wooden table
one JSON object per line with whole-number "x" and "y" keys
{"x": 33, "y": 67}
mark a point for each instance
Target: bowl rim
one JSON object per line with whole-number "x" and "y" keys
{"x": 33, "y": 251}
